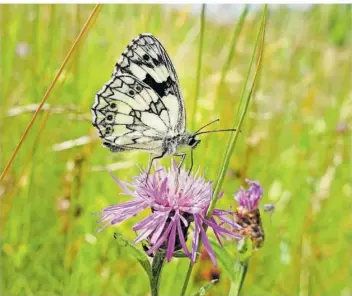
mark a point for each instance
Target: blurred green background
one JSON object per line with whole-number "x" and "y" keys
{"x": 296, "y": 141}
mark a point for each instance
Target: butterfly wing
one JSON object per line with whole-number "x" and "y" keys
{"x": 146, "y": 59}
{"x": 130, "y": 115}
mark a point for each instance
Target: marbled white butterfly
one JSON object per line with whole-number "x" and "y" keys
{"x": 141, "y": 107}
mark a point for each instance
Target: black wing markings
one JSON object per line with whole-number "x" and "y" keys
{"x": 148, "y": 43}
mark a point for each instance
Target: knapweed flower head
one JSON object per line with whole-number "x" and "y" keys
{"x": 250, "y": 198}
{"x": 176, "y": 200}
{"x": 247, "y": 213}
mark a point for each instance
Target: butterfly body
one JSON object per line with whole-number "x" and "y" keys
{"x": 180, "y": 143}
{"x": 171, "y": 145}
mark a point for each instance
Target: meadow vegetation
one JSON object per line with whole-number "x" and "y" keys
{"x": 296, "y": 140}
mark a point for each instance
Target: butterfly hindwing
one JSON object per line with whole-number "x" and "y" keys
{"x": 146, "y": 59}
{"x": 130, "y": 115}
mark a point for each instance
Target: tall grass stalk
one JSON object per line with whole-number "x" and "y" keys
{"x": 51, "y": 86}
{"x": 199, "y": 64}
{"x": 234, "y": 136}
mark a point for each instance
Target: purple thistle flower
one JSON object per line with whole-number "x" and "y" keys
{"x": 248, "y": 214}
{"x": 249, "y": 200}
{"x": 176, "y": 200}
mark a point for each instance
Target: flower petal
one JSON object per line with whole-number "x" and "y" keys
{"x": 156, "y": 225}
{"x": 205, "y": 240}
{"x": 171, "y": 243}
{"x": 143, "y": 235}
{"x": 161, "y": 240}
{"x": 181, "y": 236}
{"x": 150, "y": 220}
{"x": 220, "y": 229}
{"x": 195, "y": 240}
{"x": 121, "y": 184}
{"x": 159, "y": 229}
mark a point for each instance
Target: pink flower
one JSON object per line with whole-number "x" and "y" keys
{"x": 248, "y": 214}
{"x": 249, "y": 199}
{"x": 176, "y": 200}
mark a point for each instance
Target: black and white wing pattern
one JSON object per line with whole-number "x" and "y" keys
{"x": 130, "y": 115}
{"x": 142, "y": 104}
{"x": 146, "y": 59}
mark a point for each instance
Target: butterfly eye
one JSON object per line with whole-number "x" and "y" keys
{"x": 109, "y": 117}
{"x": 191, "y": 141}
{"x": 131, "y": 92}
{"x": 146, "y": 57}
{"x": 113, "y": 106}
{"x": 138, "y": 88}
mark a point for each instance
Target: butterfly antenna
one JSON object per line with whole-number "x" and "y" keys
{"x": 216, "y": 131}
{"x": 216, "y": 120}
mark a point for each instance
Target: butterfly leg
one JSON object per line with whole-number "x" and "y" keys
{"x": 190, "y": 169}
{"x": 183, "y": 156}
{"x": 151, "y": 163}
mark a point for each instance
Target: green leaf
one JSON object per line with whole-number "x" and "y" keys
{"x": 224, "y": 258}
{"x": 134, "y": 252}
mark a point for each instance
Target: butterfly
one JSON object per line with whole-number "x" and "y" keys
{"x": 141, "y": 107}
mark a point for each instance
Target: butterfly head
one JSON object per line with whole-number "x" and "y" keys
{"x": 193, "y": 141}
{"x": 183, "y": 143}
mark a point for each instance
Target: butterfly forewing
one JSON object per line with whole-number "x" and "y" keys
{"x": 146, "y": 59}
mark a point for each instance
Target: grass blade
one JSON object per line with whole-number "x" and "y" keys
{"x": 199, "y": 64}
{"x": 234, "y": 136}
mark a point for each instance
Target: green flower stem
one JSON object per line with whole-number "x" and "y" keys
{"x": 234, "y": 136}
{"x": 241, "y": 267}
{"x": 157, "y": 265}
{"x": 241, "y": 271}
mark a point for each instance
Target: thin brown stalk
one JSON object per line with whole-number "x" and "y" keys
{"x": 46, "y": 95}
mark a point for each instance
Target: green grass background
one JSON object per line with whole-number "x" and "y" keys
{"x": 290, "y": 143}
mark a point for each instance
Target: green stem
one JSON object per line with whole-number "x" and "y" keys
{"x": 199, "y": 66}
{"x": 234, "y": 137}
{"x": 241, "y": 268}
{"x": 244, "y": 249}
{"x": 188, "y": 276}
{"x": 157, "y": 265}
